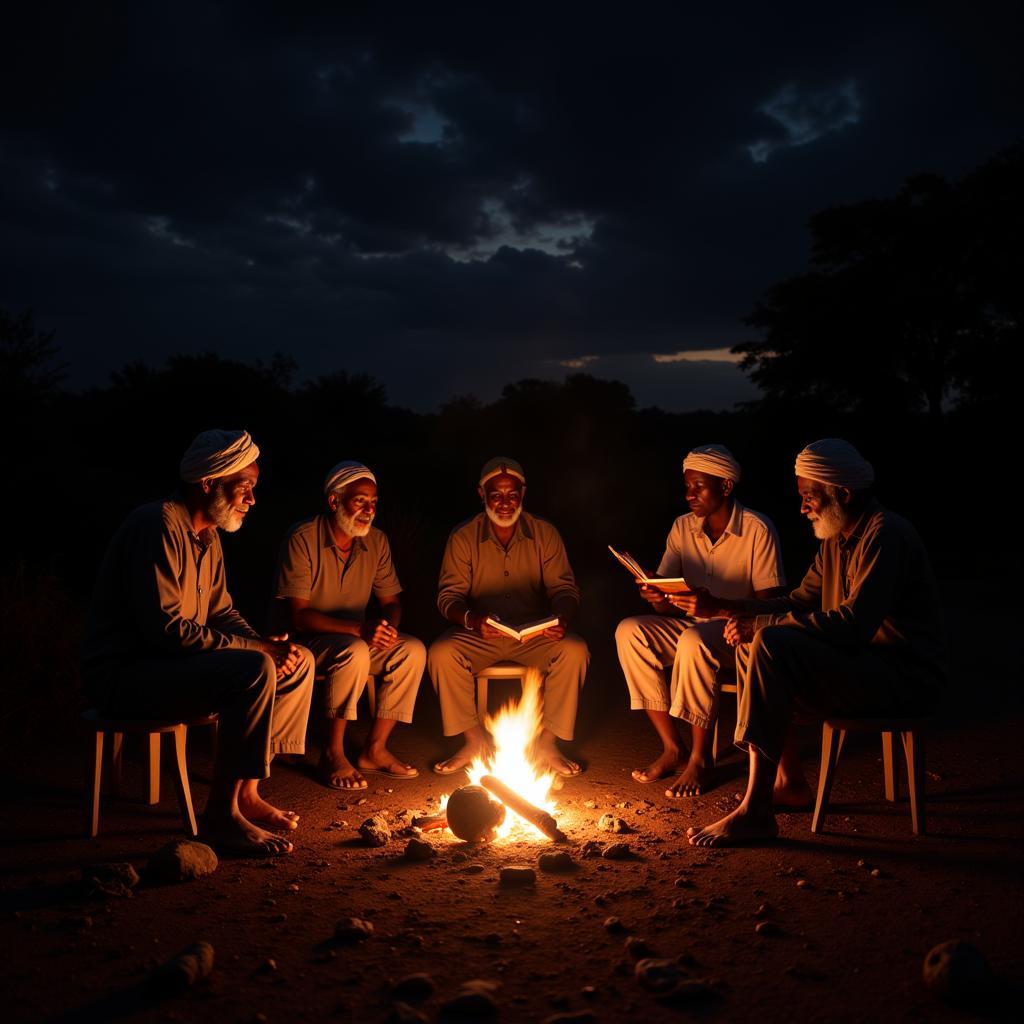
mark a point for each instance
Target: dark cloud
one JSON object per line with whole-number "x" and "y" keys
{"x": 451, "y": 202}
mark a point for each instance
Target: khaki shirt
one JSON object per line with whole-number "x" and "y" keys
{"x": 745, "y": 559}
{"x": 161, "y": 590}
{"x": 518, "y": 584}
{"x": 874, "y": 587}
{"x": 313, "y": 569}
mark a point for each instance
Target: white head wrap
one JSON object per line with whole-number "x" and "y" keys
{"x": 217, "y": 453}
{"x": 837, "y": 462}
{"x": 714, "y": 459}
{"x": 498, "y": 465}
{"x": 344, "y": 473}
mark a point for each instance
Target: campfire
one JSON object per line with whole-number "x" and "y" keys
{"x": 509, "y": 796}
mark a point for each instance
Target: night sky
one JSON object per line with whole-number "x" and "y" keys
{"x": 451, "y": 202}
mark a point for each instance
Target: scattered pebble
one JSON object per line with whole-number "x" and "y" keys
{"x": 181, "y": 861}
{"x": 613, "y": 924}
{"x": 375, "y": 831}
{"x": 556, "y": 862}
{"x": 637, "y": 947}
{"x": 590, "y": 849}
{"x": 419, "y": 849}
{"x": 610, "y": 823}
{"x": 117, "y": 879}
{"x": 474, "y": 1000}
{"x": 415, "y": 986}
{"x": 353, "y": 929}
{"x": 767, "y": 928}
{"x": 192, "y": 964}
{"x": 517, "y": 874}
{"x": 617, "y": 851}
{"x": 403, "y": 1013}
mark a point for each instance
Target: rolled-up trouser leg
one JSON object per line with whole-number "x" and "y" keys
{"x": 647, "y": 646}
{"x": 238, "y": 684}
{"x": 785, "y": 668}
{"x": 291, "y": 707}
{"x": 400, "y": 669}
{"x": 703, "y": 661}
{"x": 564, "y": 664}
{"x": 344, "y": 662}
{"x": 453, "y": 660}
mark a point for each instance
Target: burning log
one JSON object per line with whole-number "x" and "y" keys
{"x": 536, "y": 816}
{"x": 431, "y": 822}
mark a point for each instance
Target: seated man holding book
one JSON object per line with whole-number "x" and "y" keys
{"x": 725, "y": 553}
{"x": 507, "y": 587}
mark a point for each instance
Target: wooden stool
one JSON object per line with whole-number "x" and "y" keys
{"x": 499, "y": 670}
{"x": 725, "y": 688}
{"x": 153, "y": 730}
{"x": 911, "y": 730}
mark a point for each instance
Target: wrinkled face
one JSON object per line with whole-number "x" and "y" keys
{"x": 705, "y": 494}
{"x": 503, "y": 499}
{"x": 355, "y": 507}
{"x": 822, "y": 505}
{"x": 229, "y": 497}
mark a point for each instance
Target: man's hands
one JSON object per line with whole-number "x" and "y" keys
{"x": 285, "y": 654}
{"x": 380, "y": 636}
{"x": 477, "y": 621}
{"x": 651, "y": 594}
{"x": 697, "y": 602}
{"x": 556, "y": 632}
{"x": 739, "y": 630}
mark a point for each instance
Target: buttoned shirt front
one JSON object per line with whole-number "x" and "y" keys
{"x": 518, "y": 583}
{"x": 745, "y": 558}
{"x": 313, "y": 568}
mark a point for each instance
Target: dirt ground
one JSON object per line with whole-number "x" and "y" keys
{"x": 853, "y": 911}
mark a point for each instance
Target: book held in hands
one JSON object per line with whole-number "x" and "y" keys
{"x": 667, "y": 584}
{"x": 525, "y": 631}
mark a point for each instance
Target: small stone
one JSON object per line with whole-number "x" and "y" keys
{"x": 610, "y": 823}
{"x": 191, "y": 965}
{"x": 876, "y": 873}
{"x": 764, "y": 910}
{"x": 419, "y": 849}
{"x": 116, "y": 879}
{"x": 802, "y": 883}
{"x": 517, "y": 874}
{"x": 682, "y": 882}
{"x": 415, "y": 986}
{"x": 617, "y": 851}
{"x": 590, "y": 849}
{"x": 403, "y": 1013}
{"x": 590, "y": 804}
{"x": 268, "y": 966}
{"x": 353, "y": 929}
{"x": 657, "y": 975}
{"x": 638, "y": 948}
{"x": 474, "y": 1000}
{"x": 958, "y": 973}
{"x": 556, "y": 862}
{"x": 181, "y": 861}
{"x": 375, "y": 831}
{"x": 472, "y": 869}
{"x": 767, "y": 928}
{"x": 613, "y": 924}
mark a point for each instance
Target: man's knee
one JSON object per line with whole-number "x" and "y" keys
{"x": 441, "y": 654}
{"x": 573, "y": 649}
{"x": 415, "y": 651}
{"x": 690, "y": 645}
{"x": 628, "y": 632}
{"x": 773, "y": 643}
{"x": 352, "y": 657}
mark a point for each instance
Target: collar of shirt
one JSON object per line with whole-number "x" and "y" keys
{"x": 523, "y": 531}
{"x": 851, "y": 541}
{"x": 204, "y": 538}
{"x": 734, "y": 526}
{"x": 328, "y": 540}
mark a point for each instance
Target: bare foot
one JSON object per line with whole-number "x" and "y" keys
{"x": 238, "y": 837}
{"x": 259, "y": 812}
{"x": 691, "y": 782}
{"x": 736, "y": 829}
{"x": 380, "y": 759}
{"x": 552, "y": 758}
{"x": 339, "y": 773}
{"x": 459, "y": 760}
{"x": 792, "y": 794}
{"x": 659, "y": 769}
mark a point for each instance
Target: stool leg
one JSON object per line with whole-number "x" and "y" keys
{"x": 831, "y": 744}
{"x": 153, "y": 769}
{"x": 371, "y": 695}
{"x": 93, "y": 774}
{"x": 913, "y": 748}
{"x": 892, "y": 780}
{"x": 116, "y": 763}
{"x": 481, "y": 700}
{"x": 188, "y": 817}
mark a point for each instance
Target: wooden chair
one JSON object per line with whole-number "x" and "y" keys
{"x": 500, "y": 670}
{"x": 117, "y": 729}
{"x": 911, "y": 732}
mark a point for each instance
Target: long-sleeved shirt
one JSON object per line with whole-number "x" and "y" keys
{"x": 874, "y": 587}
{"x": 161, "y": 591}
{"x": 524, "y": 582}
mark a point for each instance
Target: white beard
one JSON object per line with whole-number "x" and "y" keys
{"x": 830, "y": 521}
{"x": 348, "y": 525}
{"x": 511, "y": 521}
{"x": 221, "y": 512}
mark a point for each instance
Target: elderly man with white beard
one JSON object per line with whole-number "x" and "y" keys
{"x": 163, "y": 640}
{"x": 330, "y": 567}
{"x": 508, "y": 565}
{"x": 861, "y": 637}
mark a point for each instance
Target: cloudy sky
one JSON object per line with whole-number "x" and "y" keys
{"x": 451, "y": 200}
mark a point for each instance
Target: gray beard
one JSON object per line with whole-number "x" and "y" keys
{"x": 830, "y": 521}
{"x": 348, "y": 525}
{"x": 511, "y": 521}
{"x": 221, "y": 513}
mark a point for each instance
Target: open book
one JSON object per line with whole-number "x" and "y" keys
{"x": 667, "y": 585}
{"x": 525, "y": 631}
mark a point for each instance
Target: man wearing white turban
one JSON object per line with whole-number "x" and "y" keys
{"x": 331, "y": 565}
{"x": 727, "y": 554}
{"x": 860, "y": 637}
{"x": 164, "y": 640}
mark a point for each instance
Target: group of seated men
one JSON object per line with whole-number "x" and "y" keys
{"x": 860, "y": 636}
